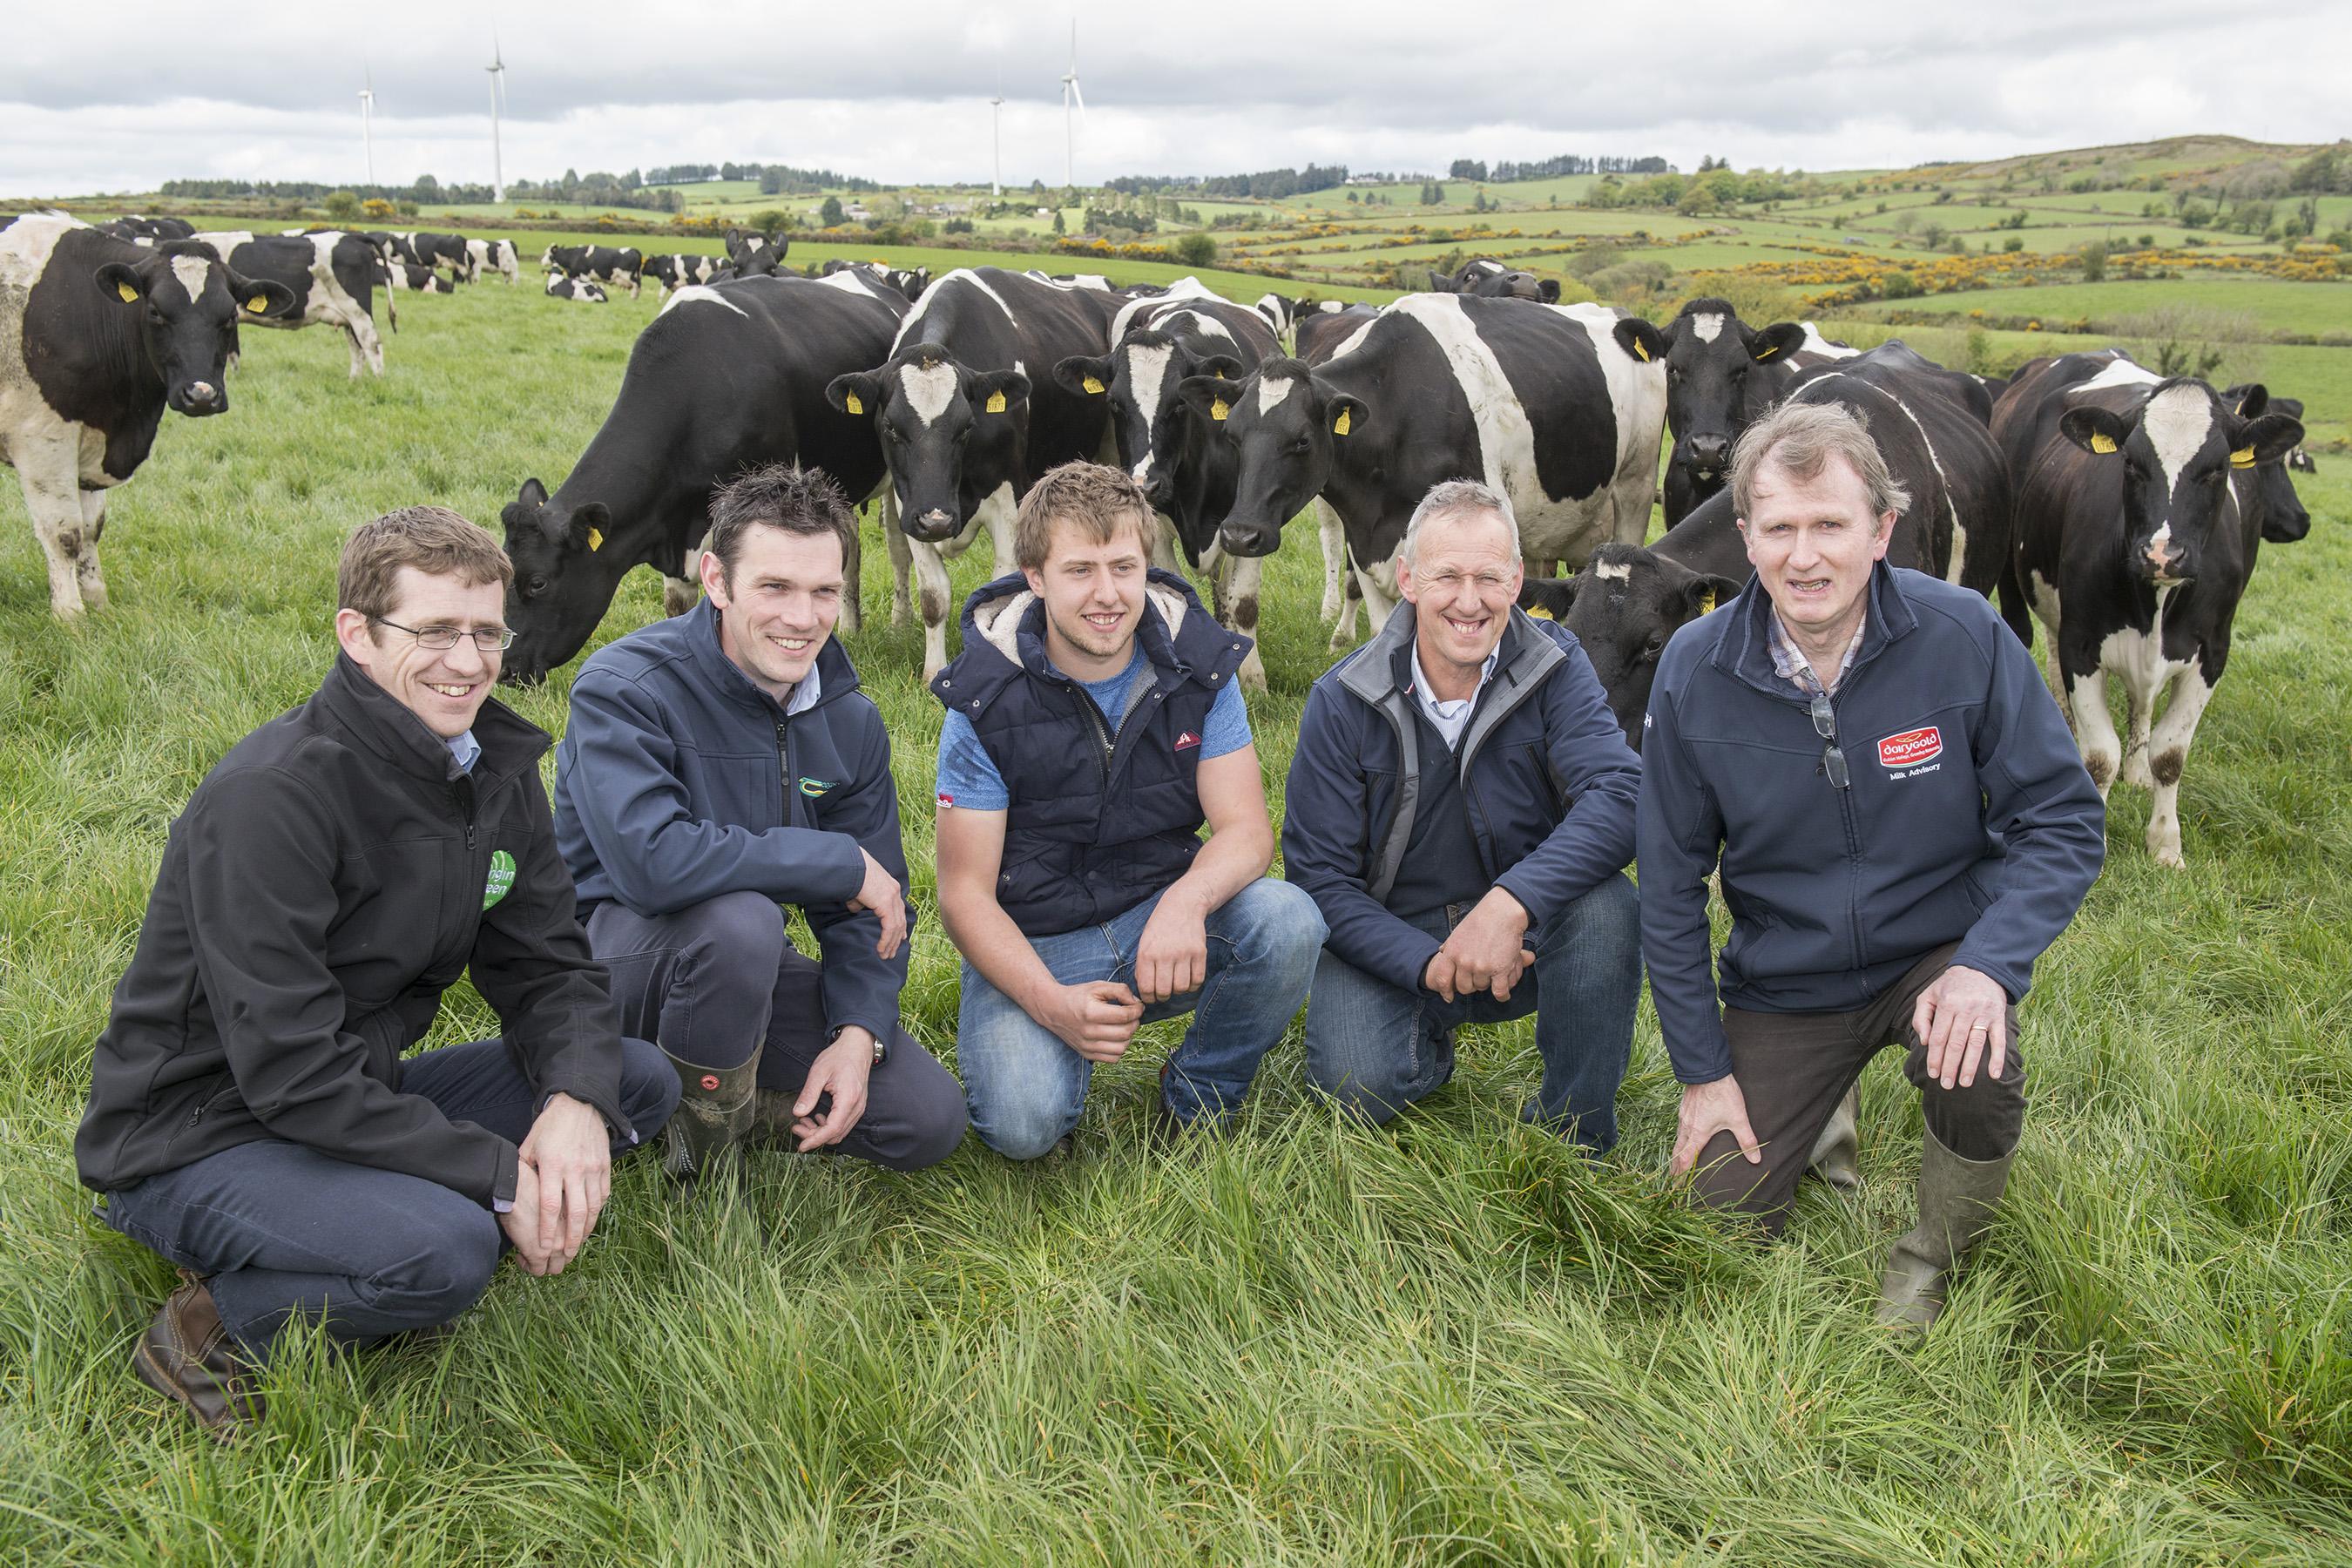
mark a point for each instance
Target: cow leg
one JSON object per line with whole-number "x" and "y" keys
{"x": 85, "y": 572}
{"x": 1379, "y": 599}
{"x": 931, "y": 589}
{"x": 996, "y": 514}
{"x": 363, "y": 337}
{"x": 1335, "y": 562}
{"x": 2167, "y": 750}
{"x": 1536, "y": 567}
{"x": 902, "y": 560}
{"x": 1164, "y": 554}
{"x": 2141, "y": 700}
{"x": 1343, "y": 634}
{"x": 853, "y": 558}
{"x": 1243, "y": 576}
{"x": 47, "y": 469}
{"x": 2095, "y": 727}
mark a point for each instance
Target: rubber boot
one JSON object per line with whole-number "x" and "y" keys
{"x": 1957, "y": 1200}
{"x": 1836, "y": 1157}
{"x": 715, "y": 1110}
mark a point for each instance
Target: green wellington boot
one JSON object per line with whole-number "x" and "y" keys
{"x": 715, "y": 1109}
{"x": 1837, "y": 1153}
{"x": 1957, "y": 1200}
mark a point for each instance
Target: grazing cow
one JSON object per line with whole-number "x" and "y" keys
{"x": 148, "y": 230}
{"x": 1558, "y": 408}
{"x": 1185, "y": 469}
{"x": 964, "y": 426}
{"x": 1491, "y": 279}
{"x": 1630, "y": 599}
{"x": 727, "y": 376}
{"x": 497, "y": 256}
{"x": 578, "y": 289}
{"x": 97, "y": 337}
{"x": 618, "y": 266}
{"x": 2141, "y": 506}
{"x": 330, "y": 274}
{"x": 682, "y": 270}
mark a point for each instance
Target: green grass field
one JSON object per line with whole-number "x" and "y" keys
{"x": 1443, "y": 1342}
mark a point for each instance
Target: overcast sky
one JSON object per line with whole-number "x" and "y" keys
{"x": 119, "y": 96}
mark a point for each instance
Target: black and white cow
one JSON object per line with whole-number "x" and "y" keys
{"x": 682, "y": 270}
{"x": 2285, "y": 521}
{"x": 409, "y": 278}
{"x": 619, "y": 265}
{"x": 148, "y": 230}
{"x": 578, "y": 289}
{"x": 428, "y": 249}
{"x": 1281, "y": 312}
{"x": 1552, "y": 405}
{"x": 1492, "y": 279}
{"x": 964, "y": 425}
{"x": 727, "y": 376}
{"x": 97, "y": 337}
{"x": 330, "y": 275}
{"x": 1722, "y": 375}
{"x": 1629, "y": 599}
{"x": 497, "y": 256}
{"x": 909, "y": 283}
{"x": 754, "y": 253}
{"x": 1177, "y": 455}
{"x": 2141, "y": 510}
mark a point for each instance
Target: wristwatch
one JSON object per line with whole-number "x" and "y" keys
{"x": 881, "y": 1044}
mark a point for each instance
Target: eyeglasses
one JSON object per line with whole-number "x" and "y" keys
{"x": 441, "y": 639}
{"x": 1825, "y": 726}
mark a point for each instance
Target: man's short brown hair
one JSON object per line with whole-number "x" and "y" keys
{"x": 783, "y": 496}
{"x": 1799, "y": 440}
{"x": 1096, "y": 499}
{"x": 433, "y": 539}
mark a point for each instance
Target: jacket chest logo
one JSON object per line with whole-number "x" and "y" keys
{"x": 501, "y": 879}
{"x": 1911, "y": 747}
{"x": 812, "y": 788}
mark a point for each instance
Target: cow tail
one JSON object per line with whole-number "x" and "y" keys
{"x": 391, "y": 303}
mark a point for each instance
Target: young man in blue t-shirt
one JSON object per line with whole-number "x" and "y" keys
{"x": 1092, "y": 727}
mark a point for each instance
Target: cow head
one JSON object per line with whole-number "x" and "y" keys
{"x": 1490, "y": 279}
{"x": 2278, "y": 510}
{"x": 1624, "y": 606}
{"x": 1139, "y": 379}
{"x": 2177, "y": 450}
{"x": 1721, "y": 376}
{"x": 942, "y": 428}
{"x": 188, "y": 303}
{"x": 566, "y": 571}
{"x": 1284, "y": 425}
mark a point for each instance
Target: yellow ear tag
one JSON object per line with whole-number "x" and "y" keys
{"x": 1092, "y": 385}
{"x": 996, "y": 403}
{"x": 1217, "y": 409}
{"x": 258, "y": 304}
{"x": 2243, "y": 458}
{"x": 1540, "y": 613}
{"x": 2102, "y": 445}
{"x": 1640, "y": 352}
{"x": 1706, "y": 605}
{"x": 130, "y": 295}
{"x": 1770, "y": 350}
{"x": 595, "y": 539}
{"x": 1340, "y": 425}
{"x": 850, "y": 401}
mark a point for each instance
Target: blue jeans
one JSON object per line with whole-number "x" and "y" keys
{"x": 282, "y": 1230}
{"x": 1377, "y": 1046}
{"x": 1026, "y": 1089}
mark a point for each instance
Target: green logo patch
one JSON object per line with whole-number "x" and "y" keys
{"x": 501, "y": 879}
{"x": 815, "y": 787}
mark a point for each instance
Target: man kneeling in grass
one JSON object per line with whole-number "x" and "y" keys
{"x": 1093, "y": 725}
{"x": 1904, "y": 826}
{"x": 250, "y": 1117}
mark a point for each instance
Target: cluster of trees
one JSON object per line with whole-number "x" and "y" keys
{"x": 598, "y": 187}
{"x": 2327, "y": 171}
{"x": 1548, "y": 168}
{"x": 775, "y": 179}
{"x": 402, "y": 198}
{"x": 1275, "y": 184}
{"x": 1713, "y": 191}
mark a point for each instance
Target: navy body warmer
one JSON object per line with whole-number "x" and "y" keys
{"x": 1101, "y": 818}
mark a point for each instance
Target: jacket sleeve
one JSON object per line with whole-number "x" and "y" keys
{"x": 1600, "y": 774}
{"x": 858, "y": 985}
{"x": 2040, "y": 799}
{"x": 531, "y": 963}
{"x": 1678, "y": 834}
{"x": 1327, "y": 842}
{"x": 262, "y": 853}
{"x": 623, "y": 780}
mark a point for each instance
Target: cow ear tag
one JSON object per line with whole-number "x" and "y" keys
{"x": 595, "y": 539}
{"x": 996, "y": 403}
{"x": 1770, "y": 350}
{"x": 1540, "y": 613}
{"x": 1217, "y": 409}
{"x": 1706, "y": 605}
{"x": 2101, "y": 444}
{"x": 130, "y": 295}
{"x": 1641, "y": 351}
{"x": 1093, "y": 386}
{"x": 2243, "y": 458}
{"x": 258, "y": 304}
{"x": 1340, "y": 425}
{"x": 852, "y": 402}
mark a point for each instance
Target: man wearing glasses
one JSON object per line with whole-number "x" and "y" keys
{"x": 250, "y": 1117}
{"x": 1903, "y": 824}
{"x": 1461, "y": 809}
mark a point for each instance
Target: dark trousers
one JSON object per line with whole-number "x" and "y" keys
{"x": 1794, "y": 1067}
{"x": 282, "y": 1230}
{"x": 716, "y": 980}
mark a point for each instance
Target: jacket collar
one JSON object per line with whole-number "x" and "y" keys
{"x": 1382, "y": 667}
{"x": 1008, "y": 621}
{"x": 1744, "y": 652}
{"x": 384, "y": 725}
{"x": 836, "y": 676}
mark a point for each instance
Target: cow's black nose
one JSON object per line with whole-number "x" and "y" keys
{"x": 1709, "y": 449}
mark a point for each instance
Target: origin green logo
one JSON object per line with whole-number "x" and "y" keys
{"x": 501, "y": 879}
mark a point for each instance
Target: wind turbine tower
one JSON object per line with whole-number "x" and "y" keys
{"x": 498, "y": 70}
{"x": 367, "y": 122}
{"x": 1070, "y": 94}
{"x": 996, "y": 141}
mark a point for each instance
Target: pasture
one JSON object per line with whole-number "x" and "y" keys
{"x": 1448, "y": 1341}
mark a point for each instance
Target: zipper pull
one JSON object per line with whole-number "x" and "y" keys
{"x": 463, "y": 792}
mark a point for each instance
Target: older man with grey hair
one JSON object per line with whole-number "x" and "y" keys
{"x": 1461, "y": 809}
{"x": 1903, "y": 827}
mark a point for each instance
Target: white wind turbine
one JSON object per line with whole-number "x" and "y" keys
{"x": 498, "y": 70}
{"x": 1070, "y": 94}
{"x": 367, "y": 123}
{"x": 996, "y": 140}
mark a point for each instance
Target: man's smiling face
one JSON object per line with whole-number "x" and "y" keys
{"x": 444, "y": 686}
{"x": 777, "y": 603}
{"x": 1461, "y": 581}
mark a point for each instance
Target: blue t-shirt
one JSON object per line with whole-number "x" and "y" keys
{"x": 969, "y": 780}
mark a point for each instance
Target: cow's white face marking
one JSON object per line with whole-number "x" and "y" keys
{"x": 1271, "y": 391}
{"x": 1815, "y": 343}
{"x": 2177, "y": 420}
{"x": 194, "y": 272}
{"x": 1621, "y": 572}
{"x": 1708, "y": 326}
{"x": 928, "y": 388}
{"x": 1147, "y": 377}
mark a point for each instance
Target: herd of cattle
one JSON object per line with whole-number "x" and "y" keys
{"x": 2122, "y": 509}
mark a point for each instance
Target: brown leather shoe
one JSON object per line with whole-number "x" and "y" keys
{"x": 187, "y": 1353}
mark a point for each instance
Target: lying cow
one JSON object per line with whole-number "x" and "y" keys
{"x": 1492, "y": 279}
{"x": 682, "y": 270}
{"x": 410, "y": 279}
{"x": 620, "y": 266}
{"x": 559, "y": 287}
{"x": 97, "y": 337}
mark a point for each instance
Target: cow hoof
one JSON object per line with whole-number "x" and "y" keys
{"x": 2169, "y": 856}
